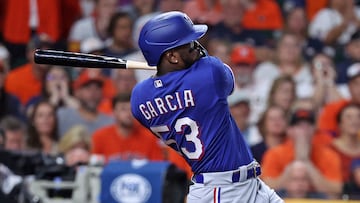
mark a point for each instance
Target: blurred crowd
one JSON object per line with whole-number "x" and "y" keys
{"x": 296, "y": 100}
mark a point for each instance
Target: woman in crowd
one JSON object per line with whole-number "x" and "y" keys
{"x": 42, "y": 130}
{"x": 282, "y": 93}
{"x": 272, "y": 127}
{"x": 288, "y": 61}
{"x": 347, "y": 144}
{"x": 75, "y": 145}
{"x": 56, "y": 89}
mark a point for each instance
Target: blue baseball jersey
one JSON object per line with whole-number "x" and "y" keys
{"x": 188, "y": 110}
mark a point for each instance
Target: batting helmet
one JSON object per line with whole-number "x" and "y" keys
{"x": 167, "y": 31}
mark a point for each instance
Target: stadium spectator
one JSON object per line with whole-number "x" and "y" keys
{"x": 239, "y": 104}
{"x": 327, "y": 122}
{"x": 56, "y": 89}
{"x": 347, "y": 144}
{"x": 24, "y": 19}
{"x": 344, "y": 22}
{"x": 230, "y": 28}
{"x": 94, "y": 45}
{"x": 311, "y": 7}
{"x": 138, "y": 8}
{"x": 75, "y": 146}
{"x": 122, "y": 81}
{"x": 352, "y": 55}
{"x": 325, "y": 88}
{"x": 282, "y": 93}
{"x": 120, "y": 31}
{"x": 19, "y": 79}
{"x": 352, "y": 188}
{"x": 204, "y": 11}
{"x": 296, "y": 23}
{"x": 88, "y": 91}
{"x": 298, "y": 185}
{"x": 126, "y": 138}
{"x": 14, "y": 133}
{"x": 10, "y": 104}
{"x": 42, "y": 129}
{"x": 243, "y": 63}
{"x": 288, "y": 61}
{"x": 322, "y": 163}
{"x": 94, "y": 26}
{"x": 272, "y": 127}
{"x": 262, "y": 15}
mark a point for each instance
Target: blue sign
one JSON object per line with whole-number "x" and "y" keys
{"x": 136, "y": 181}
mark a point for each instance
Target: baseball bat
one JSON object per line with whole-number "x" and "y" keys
{"x": 75, "y": 59}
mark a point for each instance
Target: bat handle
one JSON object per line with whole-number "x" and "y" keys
{"x": 139, "y": 65}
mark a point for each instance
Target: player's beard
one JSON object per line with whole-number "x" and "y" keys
{"x": 191, "y": 57}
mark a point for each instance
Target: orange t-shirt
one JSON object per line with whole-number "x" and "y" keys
{"x": 327, "y": 119}
{"x": 105, "y": 106}
{"x": 265, "y": 16}
{"x": 22, "y": 83}
{"x": 140, "y": 144}
{"x": 323, "y": 138}
{"x": 326, "y": 160}
{"x": 346, "y": 161}
{"x": 312, "y": 7}
{"x": 199, "y": 12}
{"x": 16, "y": 22}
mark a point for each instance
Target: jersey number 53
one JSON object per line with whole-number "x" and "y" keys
{"x": 192, "y": 136}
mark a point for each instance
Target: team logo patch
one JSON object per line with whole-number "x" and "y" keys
{"x": 158, "y": 83}
{"x": 130, "y": 188}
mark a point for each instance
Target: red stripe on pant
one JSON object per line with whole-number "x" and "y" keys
{"x": 217, "y": 195}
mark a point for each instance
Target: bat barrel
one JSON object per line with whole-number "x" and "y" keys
{"x": 77, "y": 59}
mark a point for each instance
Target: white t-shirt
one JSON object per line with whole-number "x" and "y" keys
{"x": 326, "y": 19}
{"x": 264, "y": 76}
{"x": 83, "y": 29}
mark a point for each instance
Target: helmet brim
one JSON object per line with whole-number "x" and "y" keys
{"x": 199, "y": 31}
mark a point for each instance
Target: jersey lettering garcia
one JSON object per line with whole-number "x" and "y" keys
{"x": 188, "y": 110}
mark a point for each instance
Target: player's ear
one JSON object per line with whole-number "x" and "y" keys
{"x": 172, "y": 57}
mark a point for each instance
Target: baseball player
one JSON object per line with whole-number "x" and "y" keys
{"x": 185, "y": 104}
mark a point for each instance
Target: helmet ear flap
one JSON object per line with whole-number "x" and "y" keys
{"x": 166, "y": 31}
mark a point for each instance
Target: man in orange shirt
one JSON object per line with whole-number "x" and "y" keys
{"x": 126, "y": 139}
{"x": 322, "y": 164}
{"x": 25, "y": 81}
{"x": 262, "y": 15}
